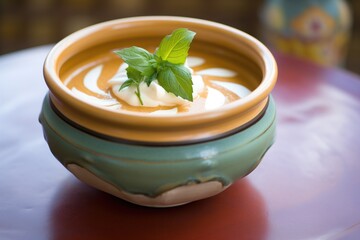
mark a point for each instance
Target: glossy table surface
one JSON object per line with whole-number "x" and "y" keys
{"x": 307, "y": 186}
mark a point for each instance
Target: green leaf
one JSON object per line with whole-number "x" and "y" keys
{"x": 135, "y": 78}
{"x": 134, "y": 74}
{"x": 174, "y": 48}
{"x": 148, "y": 80}
{"x": 138, "y": 58}
{"x": 177, "y": 80}
{"x": 166, "y": 65}
{"x": 125, "y": 84}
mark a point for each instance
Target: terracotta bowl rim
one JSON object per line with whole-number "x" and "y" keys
{"x": 261, "y": 92}
{"x": 145, "y": 128}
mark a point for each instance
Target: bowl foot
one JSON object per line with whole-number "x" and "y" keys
{"x": 174, "y": 197}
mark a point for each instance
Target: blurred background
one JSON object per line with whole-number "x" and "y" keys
{"x": 28, "y": 23}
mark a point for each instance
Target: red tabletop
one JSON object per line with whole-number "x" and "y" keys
{"x": 307, "y": 186}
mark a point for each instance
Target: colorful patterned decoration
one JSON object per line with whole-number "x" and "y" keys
{"x": 313, "y": 29}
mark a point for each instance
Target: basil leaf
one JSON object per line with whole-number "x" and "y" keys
{"x": 174, "y": 48}
{"x": 166, "y": 65}
{"x": 148, "y": 80}
{"x": 134, "y": 74}
{"x": 177, "y": 80}
{"x": 135, "y": 78}
{"x": 138, "y": 58}
{"x": 125, "y": 84}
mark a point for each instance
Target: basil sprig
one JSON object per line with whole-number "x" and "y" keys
{"x": 166, "y": 65}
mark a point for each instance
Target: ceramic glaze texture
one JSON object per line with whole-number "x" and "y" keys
{"x": 159, "y": 160}
{"x": 147, "y": 172}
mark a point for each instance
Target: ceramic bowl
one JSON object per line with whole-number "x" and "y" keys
{"x": 160, "y": 160}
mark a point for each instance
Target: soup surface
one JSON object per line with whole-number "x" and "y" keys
{"x": 225, "y": 76}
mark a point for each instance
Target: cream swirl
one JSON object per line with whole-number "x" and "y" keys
{"x": 153, "y": 95}
{"x": 208, "y": 89}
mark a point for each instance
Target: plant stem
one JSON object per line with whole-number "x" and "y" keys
{"x": 137, "y": 92}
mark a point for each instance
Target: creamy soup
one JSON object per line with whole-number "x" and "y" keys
{"x": 89, "y": 75}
